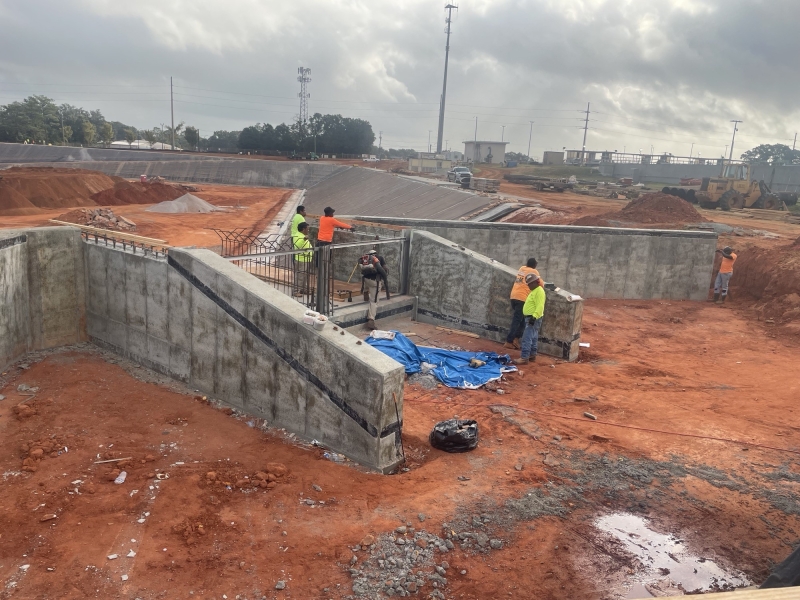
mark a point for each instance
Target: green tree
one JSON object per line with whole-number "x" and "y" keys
{"x": 772, "y": 154}
{"x": 192, "y": 136}
{"x": 130, "y": 136}
{"x": 89, "y": 132}
{"x": 66, "y": 133}
{"x": 150, "y": 136}
{"x": 107, "y": 133}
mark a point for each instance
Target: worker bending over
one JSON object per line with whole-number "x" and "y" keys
{"x": 519, "y": 293}
{"x": 724, "y": 274}
{"x": 373, "y": 267}
{"x": 533, "y": 309}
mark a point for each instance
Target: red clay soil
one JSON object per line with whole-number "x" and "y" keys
{"x": 770, "y": 277}
{"x": 649, "y": 209}
{"x": 23, "y": 190}
{"x": 669, "y": 366}
{"x": 135, "y": 192}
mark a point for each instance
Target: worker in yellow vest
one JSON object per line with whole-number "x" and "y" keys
{"x": 302, "y": 261}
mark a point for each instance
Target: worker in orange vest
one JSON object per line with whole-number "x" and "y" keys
{"x": 724, "y": 274}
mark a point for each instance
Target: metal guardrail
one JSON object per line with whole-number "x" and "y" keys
{"x": 307, "y": 275}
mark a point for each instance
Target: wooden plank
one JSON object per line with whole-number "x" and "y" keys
{"x": 466, "y": 333}
{"x": 787, "y": 593}
{"x": 115, "y": 234}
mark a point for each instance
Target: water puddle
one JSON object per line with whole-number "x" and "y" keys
{"x": 669, "y": 564}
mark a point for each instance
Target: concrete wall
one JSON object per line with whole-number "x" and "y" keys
{"x": 42, "y": 292}
{"x": 462, "y": 289}
{"x": 594, "y": 262}
{"x": 784, "y": 178}
{"x": 229, "y": 171}
{"x": 200, "y": 319}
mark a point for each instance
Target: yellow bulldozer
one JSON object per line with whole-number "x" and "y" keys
{"x": 733, "y": 189}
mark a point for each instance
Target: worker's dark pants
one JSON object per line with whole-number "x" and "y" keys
{"x": 517, "y": 321}
{"x": 316, "y": 254}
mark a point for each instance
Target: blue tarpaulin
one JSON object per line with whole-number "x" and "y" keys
{"x": 451, "y": 366}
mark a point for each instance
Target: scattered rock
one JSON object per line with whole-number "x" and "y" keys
{"x": 420, "y": 516}
{"x": 518, "y": 467}
{"x": 316, "y": 488}
{"x": 495, "y": 544}
{"x": 368, "y": 540}
{"x": 281, "y": 585}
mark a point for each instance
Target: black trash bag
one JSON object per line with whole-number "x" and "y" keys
{"x": 786, "y": 574}
{"x": 455, "y": 435}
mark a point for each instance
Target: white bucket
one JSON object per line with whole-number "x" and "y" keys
{"x": 319, "y": 322}
{"x": 309, "y": 317}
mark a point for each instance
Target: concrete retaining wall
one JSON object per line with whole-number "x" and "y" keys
{"x": 200, "y": 319}
{"x": 462, "y": 289}
{"x": 594, "y": 262}
{"x": 231, "y": 171}
{"x": 42, "y": 291}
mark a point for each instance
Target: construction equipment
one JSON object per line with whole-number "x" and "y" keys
{"x": 733, "y": 189}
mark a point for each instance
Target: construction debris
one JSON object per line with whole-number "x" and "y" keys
{"x": 187, "y": 203}
{"x": 103, "y": 218}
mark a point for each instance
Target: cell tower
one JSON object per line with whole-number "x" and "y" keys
{"x": 303, "y": 78}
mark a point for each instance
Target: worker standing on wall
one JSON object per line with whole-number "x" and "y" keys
{"x": 299, "y": 217}
{"x": 724, "y": 274}
{"x": 302, "y": 260}
{"x": 533, "y": 311}
{"x": 372, "y": 268}
{"x": 519, "y": 293}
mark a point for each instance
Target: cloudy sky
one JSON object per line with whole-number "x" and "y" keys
{"x": 661, "y": 73}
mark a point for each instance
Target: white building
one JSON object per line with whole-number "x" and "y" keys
{"x": 485, "y": 152}
{"x": 139, "y": 145}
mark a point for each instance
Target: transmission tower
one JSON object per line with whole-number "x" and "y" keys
{"x": 304, "y": 79}
{"x": 449, "y": 8}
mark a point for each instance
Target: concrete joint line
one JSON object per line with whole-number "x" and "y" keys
{"x": 338, "y": 401}
{"x": 8, "y": 242}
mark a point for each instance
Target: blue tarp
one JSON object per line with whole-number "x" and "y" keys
{"x": 452, "y": 367}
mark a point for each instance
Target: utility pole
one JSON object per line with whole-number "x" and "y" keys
{"x": 449, "y": 8}
{"x": 304, "y": 79}
{"x": 735, "y": 128}
{"x": 475, "y": 143}
{"x": 530, "y": 135}
{"x": 692, "y": 150}
{"x": 795, "y": 141}
{"x": 585, "y": 131}
{"x": 429, "y": 140}
{"x": 64, "y": 142}
{"x": 380, "y": 141}
{"x": 172, "y": 111}
{"x": 503, "y": 133}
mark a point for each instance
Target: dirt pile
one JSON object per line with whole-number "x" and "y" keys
{"x": 648, "y": 209}
{"x": 103, "y": 218}
{"x": 188, "y": 203}
{"x": 771, "y": 278}
{"x": 28, "y": 190}
{"x": 128, "y": 192}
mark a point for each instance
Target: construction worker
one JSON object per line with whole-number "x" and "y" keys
{"x": 302, "y": 260}
{"x": 724, "y": 274}
{"x": 519, "y": 293}
{"x": 533, "y": 311}
{"x": 299, "y": 217}
{"x": 326, "y": 227}
{"x": 372, "y": 268}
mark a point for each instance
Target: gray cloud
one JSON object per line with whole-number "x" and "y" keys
{"x": 660, "y": 72}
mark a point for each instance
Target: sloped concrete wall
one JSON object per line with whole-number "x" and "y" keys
{"x": 456, "y": 287}
{"x": 595, "y": 262}
{"x": 204, "y": 321}
{"x": 42, "y": 290}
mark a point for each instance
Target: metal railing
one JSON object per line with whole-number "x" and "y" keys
{"x": 305, "y": 274}
{"x": 126, "y": 244}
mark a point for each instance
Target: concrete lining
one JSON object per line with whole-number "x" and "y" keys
{"x": 595, "y": 262}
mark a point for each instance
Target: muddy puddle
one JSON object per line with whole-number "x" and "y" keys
{"x": 669, "y": 565}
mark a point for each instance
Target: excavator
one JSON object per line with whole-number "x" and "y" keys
{"x": 733, "y": 189}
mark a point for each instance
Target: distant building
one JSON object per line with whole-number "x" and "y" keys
{"x": 429, "y": 162}
{"x": 485, "y": 152}
{"x": 139, "y": 145}
{"x": 553, "y": 158}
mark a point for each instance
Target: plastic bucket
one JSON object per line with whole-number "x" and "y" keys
{"x": 319, "y": 322}
{"x": 309, "y": 316}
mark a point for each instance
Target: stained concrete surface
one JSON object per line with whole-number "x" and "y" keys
{"x": 595, "y": 262}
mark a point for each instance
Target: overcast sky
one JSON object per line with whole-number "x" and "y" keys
{"x": 665, "y": 73}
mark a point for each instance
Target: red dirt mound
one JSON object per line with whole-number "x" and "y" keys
{"x": 770, "y": 277}
{"x": 649, "y": 209}
{"x": 126, "y": 192}
{"x": 46, "y": 187}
